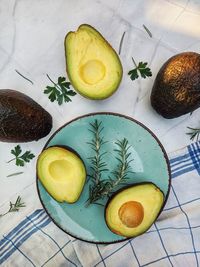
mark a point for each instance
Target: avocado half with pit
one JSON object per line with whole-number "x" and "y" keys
{"x": 93, "y": 67}
{"x": 132, "y": 210}
{"x": 62, "y": 173}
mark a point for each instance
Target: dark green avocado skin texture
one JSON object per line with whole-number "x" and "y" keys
{"x": 21, "y": 118}
{"x": 176, "y": 90}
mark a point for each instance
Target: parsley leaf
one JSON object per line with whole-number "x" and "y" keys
{"x": 20, "y": 160}
{"x": 141, "y": 69}
{"x": 16, "y": 151}
{"x": 60, "y": 91}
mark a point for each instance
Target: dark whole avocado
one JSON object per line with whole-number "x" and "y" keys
{"x": 132, "y": 210}
{"x": 176, "y": 90}
{"x": 21, "y": 118}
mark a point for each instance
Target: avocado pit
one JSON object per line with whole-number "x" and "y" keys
{"x": 131, "y": 214}
{"x": 133, "y": 209}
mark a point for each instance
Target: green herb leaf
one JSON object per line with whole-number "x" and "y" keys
{"x": 16, "y": 151}
{"x": 60, "y": 91}
{"x": 133, "y": 74}
{"x": 141, "y": 69}
{"x": 20, "y": 160}
{"x": 27, "y": 156}
{"x": 15, "y": 206}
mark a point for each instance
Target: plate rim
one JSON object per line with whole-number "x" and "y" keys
{"x": 117, "y": 115}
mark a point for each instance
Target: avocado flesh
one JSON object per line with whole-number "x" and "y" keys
{"x": 148, "y": 200}
{"x": 176, "y": 90}
{"x": 93, "y": 67}
{"x": 62, "y": 173}
{"x": 21, "y": 118}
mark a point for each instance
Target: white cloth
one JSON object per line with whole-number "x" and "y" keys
{"x": 172, "y": 241}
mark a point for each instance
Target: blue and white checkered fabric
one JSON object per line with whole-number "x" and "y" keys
{"x": 174, "y": 240}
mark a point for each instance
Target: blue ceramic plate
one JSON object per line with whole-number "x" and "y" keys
{"x": 150, "y": 164}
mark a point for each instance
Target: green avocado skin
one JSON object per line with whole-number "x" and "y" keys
{"x": 124, "y": 190}
{"x": 102, "y": 96}
{"x": 176, "y": 90}
{"x": 21, "y": 118}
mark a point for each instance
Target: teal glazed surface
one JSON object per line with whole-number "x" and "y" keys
{"x": 150, "y": 164}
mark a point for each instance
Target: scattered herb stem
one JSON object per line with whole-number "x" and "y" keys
{"x": 14, "y": 174}
{"x": 15, "y": 206}
{"x": 121, "y": 43}
{"x": 11, "y": 160}
{"x": 147, "y": 30}
{"x": 134, "y": 62}
{"x": 24, "y": 77}
{"x": 52, "y": 81}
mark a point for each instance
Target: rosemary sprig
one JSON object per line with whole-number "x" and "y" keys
{"x": 15, "y": 206}
{"x": 123, "y": 168}
{"x": 194, "y": 133}
{"x": 105, "y": 187}
{"x": 98, "y": 165}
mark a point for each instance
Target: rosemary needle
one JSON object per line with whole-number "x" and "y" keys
{"x": 14, "y": 174}
{"x": 147, "y": 30}
{"x": 121, "y": 42}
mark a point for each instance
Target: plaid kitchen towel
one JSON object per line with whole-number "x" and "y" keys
{"x": 174, "y": 240}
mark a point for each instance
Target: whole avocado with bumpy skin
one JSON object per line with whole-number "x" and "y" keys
{"x": 176, "y": 90}
{"x": 21, "y": 118}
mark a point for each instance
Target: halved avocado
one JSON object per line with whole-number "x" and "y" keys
{"x": 62, "y": 173}
{"x": 131, "y": 211}
{"x": 93, "y": 67}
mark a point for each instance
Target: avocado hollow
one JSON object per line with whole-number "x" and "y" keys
{"x": 62, "y": 172}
